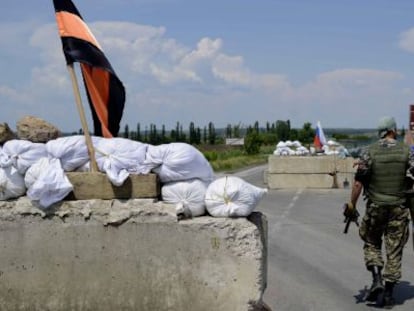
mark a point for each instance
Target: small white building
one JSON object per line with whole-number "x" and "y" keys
{"x": 235, "y": 141}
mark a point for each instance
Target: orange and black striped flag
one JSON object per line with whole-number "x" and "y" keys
{"x": 105, "y": 92}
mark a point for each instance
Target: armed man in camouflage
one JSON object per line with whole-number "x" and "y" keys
{"x": 385, "y": 171}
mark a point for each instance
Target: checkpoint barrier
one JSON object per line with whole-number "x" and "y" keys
{"x": 128, "y": 255}
{"x": 309, "y": 172}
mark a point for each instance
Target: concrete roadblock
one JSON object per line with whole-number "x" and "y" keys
{"x": 128, "y": 255}
{"x": 309, "y": 172}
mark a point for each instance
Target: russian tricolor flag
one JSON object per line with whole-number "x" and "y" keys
{"x": 319, "y": 139}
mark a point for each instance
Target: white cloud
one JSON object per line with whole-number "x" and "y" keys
{"x": 207, "y": 49}
{"x": 406, "y": 41}
{"x": 170, "y": 81}
{"x": 347, "y": 83}
{"x": 231, "y": 69}
{"x": 12, "y": 94}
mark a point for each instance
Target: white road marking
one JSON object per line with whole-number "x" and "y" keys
{"x": 276, "y": 227}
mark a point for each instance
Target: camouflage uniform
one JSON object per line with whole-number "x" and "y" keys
{"x": 388, "y": 221}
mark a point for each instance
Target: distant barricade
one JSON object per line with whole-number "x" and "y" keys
{"x": 309, "y": 171}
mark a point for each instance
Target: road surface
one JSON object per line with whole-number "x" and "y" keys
{"x": 312, "y": 265}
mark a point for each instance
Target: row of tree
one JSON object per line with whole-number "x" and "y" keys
{"x": 154, "y": 136}
{"x": 269, "y": 134}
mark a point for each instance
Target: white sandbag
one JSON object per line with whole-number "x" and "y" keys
{"x": 283, "y": 151}
{"x": 51, "y": 185}
{"x": 11, "y": 183}
{"x": 281, "y": 144}
{"x": 32, "y": 174}
{"x": 21, "y": 154}
{"x": 177, "y": 162}
{"x": 71, "y": 151}
{"x": 231, "y": 196}
{"x": 188, "y": 196}
{"x": 118, "y": 157}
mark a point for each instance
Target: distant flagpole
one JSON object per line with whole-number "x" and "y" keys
{"x": 88, "y": 139}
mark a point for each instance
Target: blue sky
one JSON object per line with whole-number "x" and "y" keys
{"x": 344, "y": 63}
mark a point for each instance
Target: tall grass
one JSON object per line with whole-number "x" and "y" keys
{"x": 233, "y": 160}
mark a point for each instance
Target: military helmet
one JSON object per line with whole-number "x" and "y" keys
{"x": 385, "y": 125}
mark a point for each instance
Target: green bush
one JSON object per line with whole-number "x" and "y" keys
{"x": 252, "y": 143}
{"x": 211, "y": 155}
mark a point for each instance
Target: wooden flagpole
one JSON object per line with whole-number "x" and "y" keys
{"x": 88, "y": 139}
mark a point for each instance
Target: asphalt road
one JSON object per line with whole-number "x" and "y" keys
{"x": 312, "y": 265}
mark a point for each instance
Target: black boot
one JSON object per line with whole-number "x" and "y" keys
{"x": 377, "y": 287}
{"x": 387, "y": 299}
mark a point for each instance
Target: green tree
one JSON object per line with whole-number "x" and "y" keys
{"x": 228, "y": 131}
{"x": 181, "y": 136}
{"x": 163, "y": 135}
{"x": 198, "y": 136}
{"x": 205, "y": 135}
{"x": 252, "y": 141}
{"x": 294, "y": 134}
{"x": 236, "y": 131}
{"x": 153, "y": 135}
{"x": 192, "y": 134}
{"x": 138, "y": 136}
{"x": 211, "y": 134}
{"x": 306, "y": 134}
{"x": 283, "y": 129}
{"x": 173, "y": 135}
{"x": 256, "y": 126}
{"x": 126, "y": 131}
{"x": 177, "y": 131}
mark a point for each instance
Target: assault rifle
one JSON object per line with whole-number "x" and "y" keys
{"x": 351, "y": 215}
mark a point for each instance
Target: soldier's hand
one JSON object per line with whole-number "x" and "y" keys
{"x": 349, "y": 209}
{"x": 350, "y": 212}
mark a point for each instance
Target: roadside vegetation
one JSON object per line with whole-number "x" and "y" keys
{"x": 235, "y": 159}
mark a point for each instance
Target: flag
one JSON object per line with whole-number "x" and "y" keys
{"x": 319, "y": 139}
{"x": 105, "y": 92}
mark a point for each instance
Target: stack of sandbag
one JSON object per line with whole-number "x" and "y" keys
{"x": 46, "y": 180}
{"x": 188, "y": 197}
{"x": 178, "y": 162}
{"x": 71, "y": 151}
{"x": 16, "y": 157}
{"x": 290, "y": 148}
{"x": 21, "y": 154}
{"x": 119, "y": 157}
{"x": 282, "y": 149}
{"x": 231, "y": 196}
{"x": 184, "y": 173}
{"x": 334, "y": 148}
{"x": 11, "y": 183}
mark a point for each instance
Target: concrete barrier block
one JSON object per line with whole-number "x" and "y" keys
{"x": 309, "y": 164}
{"x": 128, "y": 255}
{"x": 282, "y": 181}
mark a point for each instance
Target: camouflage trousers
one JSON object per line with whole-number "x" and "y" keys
{"x": 391, "y": 224}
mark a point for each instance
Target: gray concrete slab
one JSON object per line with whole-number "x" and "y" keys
{"x": 128, "y": 255}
